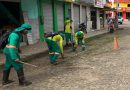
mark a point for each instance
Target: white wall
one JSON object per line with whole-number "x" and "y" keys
{"x": 98, "y": 19}
{"x": 30, "y": 9}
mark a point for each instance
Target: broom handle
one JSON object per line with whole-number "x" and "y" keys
{"x": 27, "y": 64}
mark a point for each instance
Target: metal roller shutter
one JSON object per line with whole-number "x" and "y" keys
{"x": 76, "y": 16}
{"x": 60, "y": 16}
{"x": 48, "y": 17}
{"x": 84, "y": 14}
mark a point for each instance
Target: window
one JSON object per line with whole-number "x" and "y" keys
{"x": 128, "y": 5}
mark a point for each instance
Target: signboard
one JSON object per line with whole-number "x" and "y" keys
{"x": 99, "y": 3}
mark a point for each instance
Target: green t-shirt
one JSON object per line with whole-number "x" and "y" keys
{"x": 15, "y": 39}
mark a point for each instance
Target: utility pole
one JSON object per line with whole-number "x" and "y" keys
{"x": 116, "y": 18}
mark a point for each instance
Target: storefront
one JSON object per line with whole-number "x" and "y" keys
{"x": 10, "y": 15}
{"x": 102, "y": 17}
{"x": 47, "y": 16}
{"x": 94, "y": 18}
{"x": 52, "y": 16}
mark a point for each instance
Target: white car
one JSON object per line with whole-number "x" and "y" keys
{"x": 120, "y": 20}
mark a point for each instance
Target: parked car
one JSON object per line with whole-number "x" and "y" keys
{"x": 120, "y": 20}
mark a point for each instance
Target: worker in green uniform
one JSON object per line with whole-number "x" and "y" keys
{"x": 68, "y": 31}
{"x": 11, "y": 52}
{"x": 79, "y": 40}
{"x": 55, "y": 45}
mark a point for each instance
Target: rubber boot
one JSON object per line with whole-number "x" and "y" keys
{"x": 5, "y": 78}
{"x": 53, "y": 59}
{"x": 66, "y": 45}
{"x": 54, "y": 63}
{"x": 22, "y": 81}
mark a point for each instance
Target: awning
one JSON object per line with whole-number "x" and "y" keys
{"x": 108, "y": 8}
{"x": 124, "y": 9}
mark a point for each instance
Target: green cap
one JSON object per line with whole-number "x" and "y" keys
{"x": 19, "y": 29}
{"x": 26, "y": 26}
{"x": 67, "y": 21}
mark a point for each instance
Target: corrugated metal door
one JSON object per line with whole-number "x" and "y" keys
{"x": 60, "y": 16}
{"x": 11, "y": 0}
{"x": 76, "y": 17}
{"x": 47, "y": 17}
{"x": 84, "y": 14}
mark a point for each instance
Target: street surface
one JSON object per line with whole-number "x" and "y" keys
{"x": 98, "y": 68}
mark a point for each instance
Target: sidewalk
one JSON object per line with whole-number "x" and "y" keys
{"x": 32, "y": 51}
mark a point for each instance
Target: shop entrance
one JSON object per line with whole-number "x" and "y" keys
{"x": 94, "y": 18}
{"x": 10, "y": 16}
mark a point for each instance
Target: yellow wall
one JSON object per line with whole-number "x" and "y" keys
{"x": 122, "y": 5}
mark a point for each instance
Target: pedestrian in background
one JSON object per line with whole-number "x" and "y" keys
{"x": 79, "y": 40}
{"x": 11, "y": 52}
{"x": 68, "y": 31}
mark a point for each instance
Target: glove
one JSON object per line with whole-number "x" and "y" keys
{"x": 17, "y": 60}
{"x": 76, "y": 45}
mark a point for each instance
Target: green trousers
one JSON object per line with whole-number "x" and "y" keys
{"x": 80, "y": 41}
{"x": 53, "y": 47}
{"x": 67, "y": 37}
{"x": 11, "y": 62}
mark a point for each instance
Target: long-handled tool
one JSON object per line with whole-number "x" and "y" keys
{"x": 62, "y": 56}
{"x": 27, "y": 64}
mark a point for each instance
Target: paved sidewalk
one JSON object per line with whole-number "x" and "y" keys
{"x": 40, "y": 48}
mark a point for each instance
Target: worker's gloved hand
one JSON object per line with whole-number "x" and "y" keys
{"x": 76, "y": 45}
{"x": 17, "y": 60}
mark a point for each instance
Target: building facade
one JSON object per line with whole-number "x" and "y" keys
{"x": 123, "y": 8}
{"x": 99, "y": 11}
{"x": 49, "y": 15}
